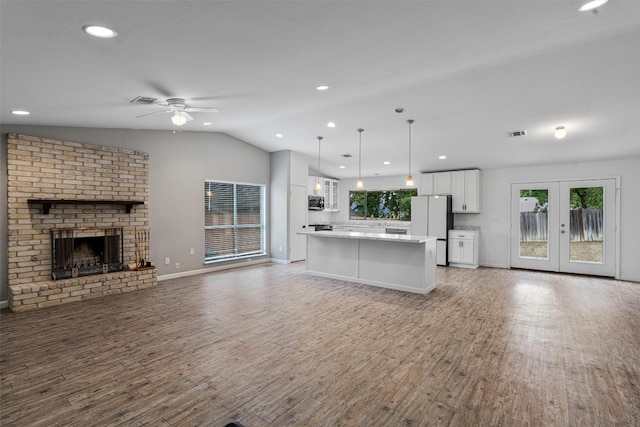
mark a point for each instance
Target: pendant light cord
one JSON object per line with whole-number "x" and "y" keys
{"x": 360, "y": 155}
{"x": 410, "y": 122}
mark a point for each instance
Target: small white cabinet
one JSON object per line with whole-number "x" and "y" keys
{"x": 465, "y": 189}
{"x": 331, "y": 190}
{"x": 463, "y": 249}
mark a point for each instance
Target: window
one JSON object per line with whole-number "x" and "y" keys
{"x": 387, "y": 204}
{"x": 233, "y": 220}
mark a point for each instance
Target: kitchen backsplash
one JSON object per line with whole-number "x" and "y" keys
{"x": 467, "y": 227}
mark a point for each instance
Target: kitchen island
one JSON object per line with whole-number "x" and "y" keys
{"x": 395, "y": 261}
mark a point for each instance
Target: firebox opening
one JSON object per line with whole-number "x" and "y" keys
{"x": 85, "y": 252}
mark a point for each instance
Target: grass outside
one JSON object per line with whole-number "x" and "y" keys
{"x": 578, "y": 251}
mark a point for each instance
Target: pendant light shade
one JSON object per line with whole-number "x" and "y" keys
{"x": 360, "y": 184}
{"x": 560, "y": 132}
{"x": 318, "y": 186}
{"x": 409, "y": 177}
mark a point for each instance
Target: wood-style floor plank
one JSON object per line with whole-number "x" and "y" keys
{"x": 270, "y": 346}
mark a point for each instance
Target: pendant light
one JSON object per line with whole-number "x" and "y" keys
{"x": 409, "y": 177}
{"x": 318, "y": 183}
{"x": 560, "y": 132}
{"x": 360, "y": 184}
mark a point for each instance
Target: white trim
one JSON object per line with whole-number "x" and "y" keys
{"x": 280, "y": 261}
{"x": 211, "y": 270}
{"x": 4, "y": 304}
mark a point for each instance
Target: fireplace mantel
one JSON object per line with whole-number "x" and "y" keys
{"x": 47, "y": 203}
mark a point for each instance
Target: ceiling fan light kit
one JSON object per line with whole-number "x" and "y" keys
{"x": 177, "y": 106}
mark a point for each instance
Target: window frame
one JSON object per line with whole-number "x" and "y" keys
{"x": 366, "y": 216}
{"x": 235, "y": 226}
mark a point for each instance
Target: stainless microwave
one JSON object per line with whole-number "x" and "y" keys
{"x": 316, "y": 203}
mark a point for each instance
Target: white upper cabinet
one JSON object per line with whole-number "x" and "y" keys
{"x": 465, "y": 188}
{"x": 425, "y": 187}
{"x": 442, "y": 183}
{"x": 331, "y": 190}
{"x": 436, "y": 183}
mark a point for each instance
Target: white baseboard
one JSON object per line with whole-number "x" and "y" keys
{"x": 494, "y": 265}
{"x": 280, "y": 261}
{"x": 211, "y": 269}
{"x": 4, "y": 304}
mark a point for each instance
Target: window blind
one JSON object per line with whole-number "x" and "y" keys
{"x": 234, "y": 220}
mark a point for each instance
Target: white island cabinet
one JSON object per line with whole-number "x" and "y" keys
{"x": 395, "y": 261}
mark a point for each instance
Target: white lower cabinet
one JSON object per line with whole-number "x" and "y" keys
{"x": 463, "y": 249}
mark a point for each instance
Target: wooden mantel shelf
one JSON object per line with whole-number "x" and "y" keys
{"x": 47, "y": 203}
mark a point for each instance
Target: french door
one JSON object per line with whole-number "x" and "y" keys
{"x": 566, "y": 226}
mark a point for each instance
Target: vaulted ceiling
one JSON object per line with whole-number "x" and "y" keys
{"x": 467, "y": 72}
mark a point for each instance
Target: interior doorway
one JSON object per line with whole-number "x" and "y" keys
{"x": 565, "y": 226}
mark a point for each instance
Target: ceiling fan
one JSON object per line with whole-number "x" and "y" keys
{"x": 177, "y": 106}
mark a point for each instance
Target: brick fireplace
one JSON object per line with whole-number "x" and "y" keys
{"x": 59, "y": 190}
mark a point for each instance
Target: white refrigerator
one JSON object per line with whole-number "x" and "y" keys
{"x": 433, "y": 216}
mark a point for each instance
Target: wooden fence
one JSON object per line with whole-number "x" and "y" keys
{"x": 585, "y": 225}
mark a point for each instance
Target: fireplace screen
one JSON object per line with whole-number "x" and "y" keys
{"x": 77, "y": 252}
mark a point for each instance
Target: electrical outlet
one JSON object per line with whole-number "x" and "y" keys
{"x": 167, "y": 261}
{"x": 177, "y": 266}
{"x": 192, "y": 251}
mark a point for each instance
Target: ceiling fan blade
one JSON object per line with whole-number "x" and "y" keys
{"x": 187, "y": 116}
{"x": 155, "y": 112}
{"x": 202, "y": 110}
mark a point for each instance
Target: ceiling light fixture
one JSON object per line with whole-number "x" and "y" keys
{"x": 386, "y": 162}
{"x": 409, "y": 177}
{"x": 591, "y": 5}
{"x": 331, "y": 124}
{"x": 360, "y": 184}
{"x": 207, "y": 124}
{"x": 178, "y": 119}
{"x": 318, "y": 184}
{"x": 20, "y": 112}
{"x": 279, "y": 135}
{"x": 322, "y": 87}
{"x": 442, "y": 157}
{"x": 560, "y": 132}
{"x": 99, "y": 31}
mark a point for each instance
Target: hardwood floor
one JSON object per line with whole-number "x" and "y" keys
{"x": 270, "y": 346}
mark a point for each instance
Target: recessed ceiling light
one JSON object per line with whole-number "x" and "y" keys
{"x": 592, "y": 5}
{"x": 322, "y": 87}
{"x": 386, "y": 162}
{"x": 331, "y": 124}
{"x": 342, "y": 166}
{"x": 20, "y": 112}
{"x": 279, "y": 135}
{"x": 99, "y": 31}
{"x": 207, "y": 124}
{"x": 442, "y": 157}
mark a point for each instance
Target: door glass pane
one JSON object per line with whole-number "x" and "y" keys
{"x": 534, "y": 224}
{"x": 586, "y": 224}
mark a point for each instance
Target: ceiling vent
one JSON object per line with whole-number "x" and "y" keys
{"x": 517, "y": 133}
{"x": 347, "y": 155}
{"x": 143, "y": 100}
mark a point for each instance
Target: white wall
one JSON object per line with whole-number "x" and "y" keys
{"x": 178, "y": 166}
{"x": 279, "y": 225}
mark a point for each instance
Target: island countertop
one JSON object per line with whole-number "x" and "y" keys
{"x": 403, "y": 238}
